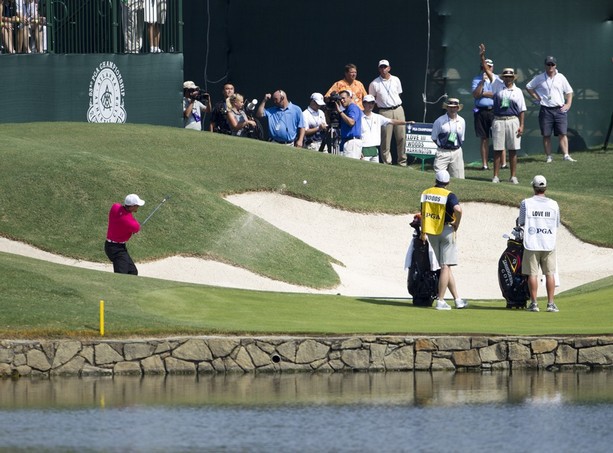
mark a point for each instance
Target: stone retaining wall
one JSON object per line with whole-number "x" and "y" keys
{"x": 216, "y": 354}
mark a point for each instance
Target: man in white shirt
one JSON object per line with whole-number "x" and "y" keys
{"x": 555, "y": 95}
{"x": 372, "y": 125}
{"x": 386, "y": 90}
{"x": 540, "y": 217}
{"x": 448, "y": 133}
{"x": 315, "y": 125}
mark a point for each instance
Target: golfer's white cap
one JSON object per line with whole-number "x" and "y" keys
{"x": 442, "y": 176}
{"x": 133, "y": 200}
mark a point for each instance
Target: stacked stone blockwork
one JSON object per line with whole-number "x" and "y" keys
{"x": 214, "y": 354}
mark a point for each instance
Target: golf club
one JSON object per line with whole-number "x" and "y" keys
{"x": 156, "y": 208}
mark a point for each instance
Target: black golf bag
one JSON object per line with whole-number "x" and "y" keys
{"x": 513, "y": 284}
{"x": 422, "y": 282}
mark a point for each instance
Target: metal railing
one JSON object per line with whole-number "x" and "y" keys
{"x": 91, "y": 26}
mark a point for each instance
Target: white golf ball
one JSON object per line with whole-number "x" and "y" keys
{"x": 304, "y": 182}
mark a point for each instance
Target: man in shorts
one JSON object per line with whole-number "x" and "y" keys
{"x": 440, "y": 218}
{"x": 552, "y": 91}
{"x": 540, "y": 217}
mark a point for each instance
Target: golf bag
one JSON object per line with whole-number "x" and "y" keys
{"x": 513, "y": 284}
{"x": 422, "y": 282}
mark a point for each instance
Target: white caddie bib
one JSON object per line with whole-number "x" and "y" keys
{"x": 541, "y": 225}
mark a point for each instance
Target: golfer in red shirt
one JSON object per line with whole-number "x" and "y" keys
{"x": 122, "y": 225}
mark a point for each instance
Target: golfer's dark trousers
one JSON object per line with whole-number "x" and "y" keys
{"x": 119, "y": 256}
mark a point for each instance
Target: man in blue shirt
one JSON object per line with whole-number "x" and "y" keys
{"x": 484, "y": 113}
{"x": 351, "y": 125}
{"x": 285, "y": 120}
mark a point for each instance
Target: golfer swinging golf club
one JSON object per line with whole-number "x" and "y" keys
{"x": 122, "y": 225}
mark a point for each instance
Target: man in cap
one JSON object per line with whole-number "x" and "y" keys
{"x": 122, "y": 225}
{"x": 552, "y": 91}
{"x": 509, "y": 112}
{"x": 349, "y": 82}
{"x": 285, "y": 120}
{"x": 540, "y": 217}
{"x": 441, "y": 214}
{"x": 315, "y": 125}
{"x": 484, "y": 112}
{"x": 448, "y": 133}
{"x": 373, "y": 125}
{"x": 386, "y": 90}
{"x": 193, "y": 109}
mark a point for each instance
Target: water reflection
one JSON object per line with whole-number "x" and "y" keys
{"x": 422, "y": 389}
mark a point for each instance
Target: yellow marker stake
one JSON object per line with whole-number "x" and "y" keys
{"x": 101, "y": 318}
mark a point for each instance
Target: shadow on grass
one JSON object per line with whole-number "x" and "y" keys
{"x": 396, "y": 302}
{"x": 408, "y": 303}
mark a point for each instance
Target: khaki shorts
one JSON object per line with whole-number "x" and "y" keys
{"x": 533, "y": 258}
{"x": 444, "y": 246}
{"x": 504, "y": 134}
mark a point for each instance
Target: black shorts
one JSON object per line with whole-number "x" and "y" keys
{"x": 483, "y": 123}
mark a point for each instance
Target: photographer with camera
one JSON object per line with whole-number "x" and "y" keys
{"x": 193, "y": 107}
{"x": 315, "y": 123}
{"x": 219, "y": 123}
{"x": 238, "y": 120}
{"x": 351, "y": 125}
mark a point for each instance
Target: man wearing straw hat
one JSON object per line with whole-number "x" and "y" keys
{"x": 509, "y": 110}
{"x": 448, "y": 133}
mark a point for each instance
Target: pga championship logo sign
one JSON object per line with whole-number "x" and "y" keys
{"x": 106, "y": 93}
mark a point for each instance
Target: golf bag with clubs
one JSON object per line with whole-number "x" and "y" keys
{"x": 513, "y": 284}
{"x": 422, "y": 282}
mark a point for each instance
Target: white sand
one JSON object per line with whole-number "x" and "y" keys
{"x": 372, "y": 249}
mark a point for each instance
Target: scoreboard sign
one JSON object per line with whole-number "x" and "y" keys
{"x": 419, "y": 142}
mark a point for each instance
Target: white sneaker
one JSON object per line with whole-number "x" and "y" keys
{"x": 514, "y": 180}
{"x": 461, "y": 303}
{"x": 442, "y": 305}
{"x": 495, "y": 179}
{"x": 549, "y": 159}
{"x": 567, "y": 158}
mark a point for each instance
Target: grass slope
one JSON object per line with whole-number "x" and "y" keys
{"x": 57, "y": 181}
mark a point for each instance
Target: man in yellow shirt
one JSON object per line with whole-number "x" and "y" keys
{"x": 440, "y": 216}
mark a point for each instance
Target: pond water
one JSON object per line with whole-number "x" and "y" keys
{"x": 394, "y": 411}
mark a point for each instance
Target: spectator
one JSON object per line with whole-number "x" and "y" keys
{"x": 349, "y": 82}
{"x": 351, "y": 125}
{"x": 372, "y": 126}
{"x": 555, "y": 95}
{"x": 8, "y": 18}
{"x": 315, "y": 125}
{"x": 132, "y": 24}
{"x": 484, "y": 113}
{"x": 387, "y": 90}
{"x": 509, "y": 112}
{"x": 193, "y": 109}
{"x": 441, "y": 214}
{"x": 285, "y": 120}
{"x": 540, "y": 217}
{"x": 448, "y": 134}
{"x": 155, "y": 15}
{"x": 23, "y": 15}
{"x": 237, "y": 117}
{"x": 219, "y": 122}
{"x": 122, "y": 225}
